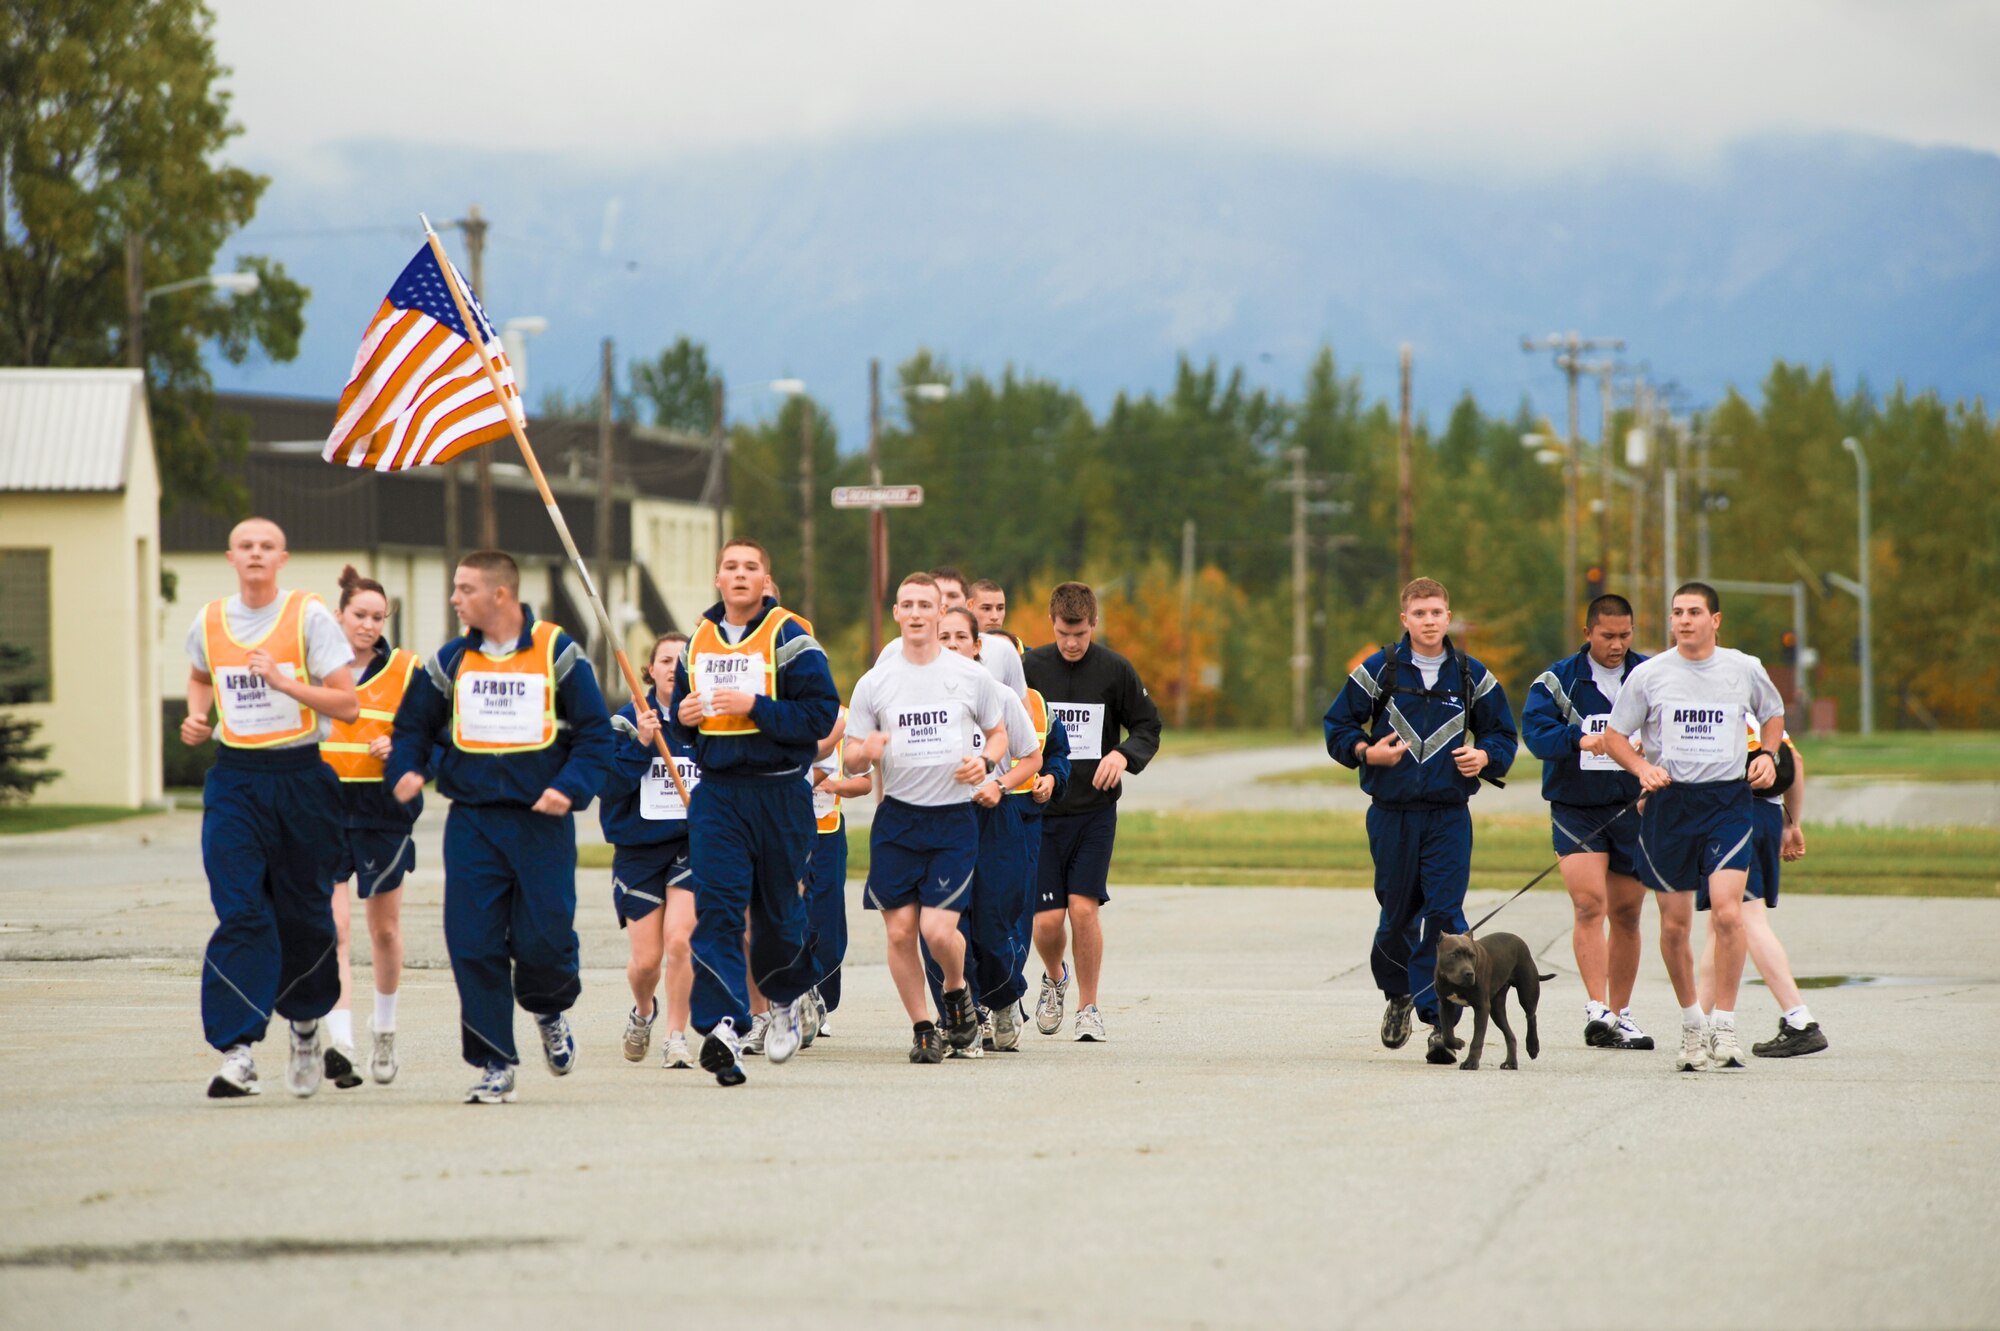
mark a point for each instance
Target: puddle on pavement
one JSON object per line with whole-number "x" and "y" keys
{"x": 180, "y": 1251}
{"x": 1882, "y": 981}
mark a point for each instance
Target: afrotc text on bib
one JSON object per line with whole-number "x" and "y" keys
{"x": 1084, "y": 724}
{"x": 658, "y": 800}
{"x": 824, "y": 800}
{"x": 926, "y": 736}
{"x": 1599, "y": 762}
{"x": 253, "y": 707}
{"x": 742, "y": 671}
{"x": 497, "y": 707}
{"x": 1703, "y": 734}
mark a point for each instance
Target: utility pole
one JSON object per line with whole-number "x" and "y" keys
{"x": 1867, "y": 594}
{"x": 603, "y": 499}
{"x": 474, "y": 227}
{"x": 878, "y": 521}
{"x": 1606, "y": 368}
{"x": 1569, "y": 349}
{"x": 806, "y": 506}
{"x": 1187, "y": 622}
{"x": 1406, "y": 552}
{"x": 714, "y": 491}
{"x": 1670, "y": 577}
{"x": 135, "y": 300}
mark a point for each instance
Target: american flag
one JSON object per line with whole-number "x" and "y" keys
{"x": 417, "y": 395}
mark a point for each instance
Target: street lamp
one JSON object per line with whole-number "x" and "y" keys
{"x": 137, "y": 298}
{"x": 1853, "y": 446}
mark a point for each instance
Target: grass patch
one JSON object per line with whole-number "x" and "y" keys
{"x": 19, "y": 819}
{"x": 1963, "y": 755}
{"x": 1331, "y": 850}
{"x": 1194, "y": 743}
{"x": 1527, "y": 770}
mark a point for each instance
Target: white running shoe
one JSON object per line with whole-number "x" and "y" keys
{"x": 1692, "y": 1055}
{"x": 760, "y": 1024}
{"x": 721, "y": 1053}
{"x": 1723, "y": 1049}
{"x": 1006, "y": 1029}
{"x": 676, "y": 1053}
{"x": 237, "y": 1077}
{"x": 1049, "y": 1006}
{"x": 382, "y": 1065}
{"x": 825, "y": 1025}
{"x": 558, "y": 1044}
{"x": 340, "y": 1067}
{"x": 639, "y": 1034}
{"x": 303, "y": 1074}
{"x": 494, "y": 1087}
{"x": 809, "y": 1015}
{"x": 986, "y": 1029}
{"x": 782, "y": 1036}
{"x": 1089, "y": 1024}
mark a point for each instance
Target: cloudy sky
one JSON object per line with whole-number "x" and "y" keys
{"x": 1457, "y": 86}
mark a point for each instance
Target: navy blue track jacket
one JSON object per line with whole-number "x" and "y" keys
{"x": 1431, "y": 723}
{"x": 1552, "y": 723}
{"x": 574, "y": 764}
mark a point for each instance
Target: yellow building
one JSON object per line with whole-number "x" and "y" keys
{"x": 80, "y": 577}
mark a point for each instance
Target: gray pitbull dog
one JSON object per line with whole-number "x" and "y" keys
{"x": 1477, "y": 973}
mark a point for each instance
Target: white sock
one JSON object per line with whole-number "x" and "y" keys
{"x": 1798, "y": 1018}
{"x": 1691, "y": 1015}
{"x": 385, "y": 1014}
{"x": 1725, "y": 1017}
{"x": 340, "y": 1026}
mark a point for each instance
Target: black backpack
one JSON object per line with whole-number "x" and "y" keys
{"x": 1387, "y": 685}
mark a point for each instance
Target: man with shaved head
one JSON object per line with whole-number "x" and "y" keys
{"x": 271, "y": 670}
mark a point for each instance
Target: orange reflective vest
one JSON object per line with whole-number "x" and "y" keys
{"x": 750, "y": 666}
{"x": 1038, "y": 712}
{"x": 346, "y": 748}
{"x": 255, "y": 715}
{"x": 507, "y": 703}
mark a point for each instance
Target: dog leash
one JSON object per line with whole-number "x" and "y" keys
{"x": 1587, "y": 836}
{"x": 1623, "y": 810}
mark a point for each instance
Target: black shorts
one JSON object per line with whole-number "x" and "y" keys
{"x": 1076, "y": 857}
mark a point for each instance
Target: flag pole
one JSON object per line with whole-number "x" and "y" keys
{"x": 477, "y": 338}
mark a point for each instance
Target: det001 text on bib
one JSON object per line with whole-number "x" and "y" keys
{"x": 502, "y": 708}
{"x": 658, "y": 800}
{"x": 927, "y": 736}
{"x": 741, "y": 671}
{"x": 1597, "y": 762}
{"x": 1083, "y": 723}
{"x": 253, "y": 707}
{"x": 1704, "y": 734}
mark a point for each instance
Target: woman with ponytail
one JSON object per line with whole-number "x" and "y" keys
{"x": 376, "y": 848}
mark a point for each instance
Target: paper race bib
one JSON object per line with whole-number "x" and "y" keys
{"x": 252, "y": 707}
{"x": 927, "y": 736}
{"x": 824, "y": 800}
{"x": 742, "y": 671}
{"x": 1599, "y": 762}
{"x": 1703, "y": 734}
{"x": 496, "y": 707}
{"x": 658, "y": 800}
{"x": 1083, "y": 722}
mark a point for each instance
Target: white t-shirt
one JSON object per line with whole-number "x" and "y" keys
{"x": 1428, "y": 666}
{"x": 327, "y": 648}
{"x": 930, "y": 713}
{"x": 1690, "y": 714}
{"x": 1609, "y": 679}
{"x": 996, "y": 653}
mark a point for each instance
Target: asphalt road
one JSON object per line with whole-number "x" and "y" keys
{"x": 1241, "y": 1153}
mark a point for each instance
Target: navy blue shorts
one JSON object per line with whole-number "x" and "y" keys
{"x": 1076, "y": 857}
{"x": 921, "y": 856}
{"x": 641, "y": 875}
{"x": 1690, "y": 831}
{"x": 1598, "y": 830}
{"x": 376, "y": 859}
{"x": 1767, "y": 844}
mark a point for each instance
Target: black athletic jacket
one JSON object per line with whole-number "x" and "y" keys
{"x": 1103, "y": 677}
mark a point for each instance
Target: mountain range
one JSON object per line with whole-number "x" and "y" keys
{"x": 1098, "y": 260}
